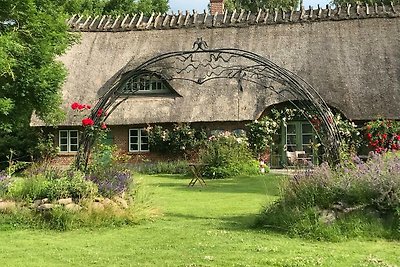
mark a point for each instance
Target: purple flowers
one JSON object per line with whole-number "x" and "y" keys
{"x": 375, "y": 183}
{"x": 111, "y": 182}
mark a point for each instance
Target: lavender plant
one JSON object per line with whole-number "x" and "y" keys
{"x": 111, "y": 182}
{"x": 354, "y": 188}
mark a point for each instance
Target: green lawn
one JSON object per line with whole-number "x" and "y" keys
{"x": 200, "y": 227}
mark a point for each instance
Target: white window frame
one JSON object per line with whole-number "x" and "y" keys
{"x": 146, "y": 85}
{"x": 139, "y": 143}
{"x": 70, "y": 140}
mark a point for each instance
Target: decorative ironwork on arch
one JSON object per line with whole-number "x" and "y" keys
{"x": 225, "y": 63}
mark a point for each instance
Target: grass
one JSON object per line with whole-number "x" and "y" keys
{"x": 200, "y": 227}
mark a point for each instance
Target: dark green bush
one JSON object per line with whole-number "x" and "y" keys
{"x": 226, "y": 156}
{"x": 362, "y": 199}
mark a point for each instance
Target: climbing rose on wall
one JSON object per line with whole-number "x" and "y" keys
{"x": 87, "y": 122}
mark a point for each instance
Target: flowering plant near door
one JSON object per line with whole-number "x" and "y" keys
{"x": 383, "y": 135}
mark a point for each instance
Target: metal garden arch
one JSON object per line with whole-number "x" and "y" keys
{"x": 224, "y": 63}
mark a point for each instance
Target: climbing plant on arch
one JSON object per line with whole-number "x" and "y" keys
{"x": 201, "y": 65}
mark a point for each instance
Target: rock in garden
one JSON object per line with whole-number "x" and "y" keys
{"x": 46, "y": 206}
{"x": 36, "y": 203}
{"x": 121, "y": 202}
{"x": 327, "y": 216}
{"x": 45, "y": 200}
{"x": 97, "y": 206}
{"x": 64, "y": 201}
{"x": 73, "y": 207}
{"x": 6, "y": 206}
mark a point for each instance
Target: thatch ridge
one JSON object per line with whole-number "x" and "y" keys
{"x": 133, "y": 22}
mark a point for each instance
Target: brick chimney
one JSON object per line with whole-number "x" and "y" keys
{"x": 217, "y": 6}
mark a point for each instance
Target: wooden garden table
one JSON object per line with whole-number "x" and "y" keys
{"x": 196, "y": 170}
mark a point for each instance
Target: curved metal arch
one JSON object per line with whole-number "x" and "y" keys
{"x": 225, "y": 63}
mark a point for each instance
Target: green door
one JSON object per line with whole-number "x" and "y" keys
{"x": 298, "y": 136}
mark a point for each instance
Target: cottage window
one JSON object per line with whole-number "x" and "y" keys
{"x": 145, "y": 85}
{"x": 68, "y": 140}
{"x": 138, "y": 140}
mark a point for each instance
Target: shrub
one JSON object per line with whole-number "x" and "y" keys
{"x": 353, "y": 199}
{"x": 225, "y": 156}
{"x": 182, "y": 138}
{"x": 51, "y": 185}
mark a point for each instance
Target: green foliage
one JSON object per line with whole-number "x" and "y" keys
{"x": 383, "y": 135}
{"x": 32, "y": 34}
{"x": 260, "y": 134}
{"x": 114, "y": 7}
{"x": 227, "y": 156}
{"x": 51, "y": 184}
{"x": 254, "y": 6}
{"x": 181, "y": 139}
{"x": 352, "y": 199}
{"x": 91, "y": 213}
{"x": 163, "y": 167}
{"x": 27, "y": 144}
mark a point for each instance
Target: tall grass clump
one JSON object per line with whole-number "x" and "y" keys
{"x": 163, "y": 167}
{"x": 332, "y": 203}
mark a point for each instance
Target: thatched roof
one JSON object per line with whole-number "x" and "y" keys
{"x": 353, "y": 63}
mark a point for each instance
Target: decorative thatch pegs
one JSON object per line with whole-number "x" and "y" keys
{"x": 367, "y": 8}
{"x": 107, "y": 23}
{"x": 194, "y": 16}
{"x": 71, "y": 19}
{"x": 187, "y": 16}
{"x": 124, "y": 20}
{"x": 248, "y": 16}
{"x": 214, "y": 21}
{"x": 171, "y": 23}
{"x": 319, "y": 12}
{"x": 178, "y": 22}
{"x": 148, "y": 24}
{"x": 328, "y": 13}
{"x": 157, "y": 20}
{"x": 205, "y": 16}
{"x": 348, "y": 9}
{"x": 392, "y": 6}
{"x": 139, "y": 20}
{"x": 132, "y": 20}
{"x": 93, "y": 22}
{"x": 241, "y": 15}
{"x": 275, "y": 15}
{"x": 233, "y": 16}
{"x": 302, "y": 12}
{"x": 339, "y": 10}
{"x": 115, "y": 22}
{"x": 86, "y": 22}
{"x": 258, "y": 15}
{"x": 266, "y": 15}
{"x": 225, "y": 16}
{"x": 101, "y": 21}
